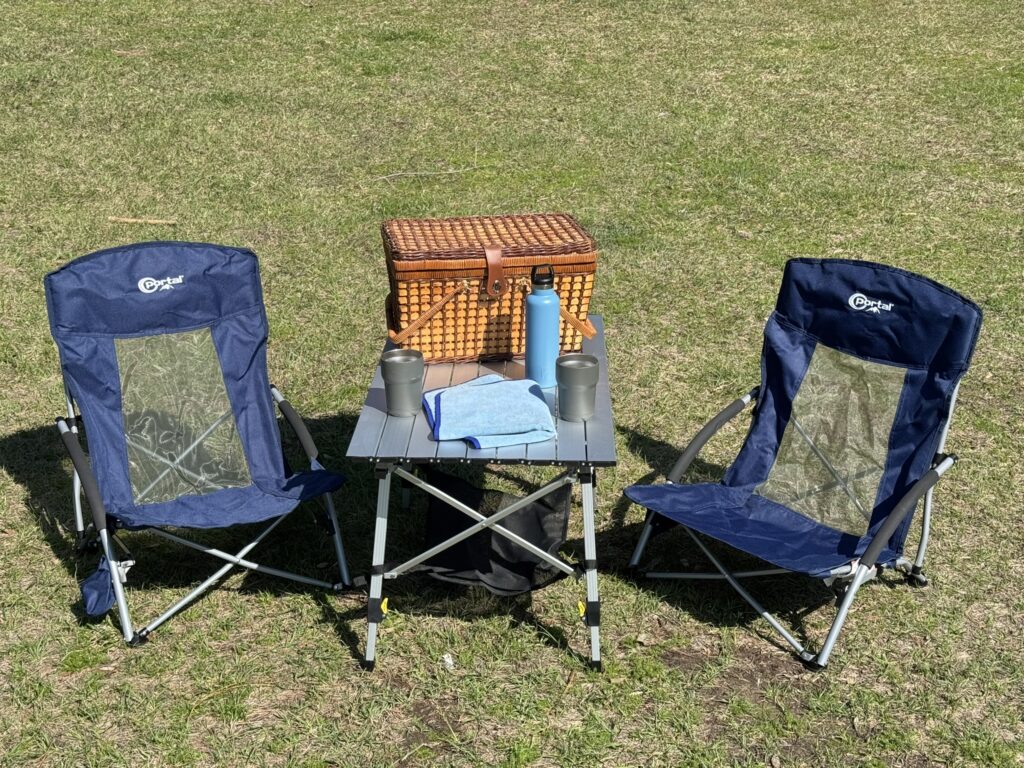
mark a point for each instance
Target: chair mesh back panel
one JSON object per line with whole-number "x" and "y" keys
{"x": 832, "y": 455}
{"x": 180, "y": 431}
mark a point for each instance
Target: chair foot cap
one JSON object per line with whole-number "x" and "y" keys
{"x": 597, "y": 666}
{"x": 916, "y": 577}
{"x": 139, "y": 638}
{"x": 368, "y": 665}
{"x": 810, "y": 660}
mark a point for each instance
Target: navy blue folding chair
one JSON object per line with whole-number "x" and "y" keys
{"x": 163, "y": 350}
{"x": 859, "y": 375}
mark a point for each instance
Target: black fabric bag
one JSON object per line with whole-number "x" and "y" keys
{"x": 488, "y": 558}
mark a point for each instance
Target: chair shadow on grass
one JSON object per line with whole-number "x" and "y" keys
{"x": 36, "y": 460}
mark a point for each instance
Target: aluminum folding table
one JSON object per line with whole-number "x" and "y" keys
{"x": 396, "y": 444}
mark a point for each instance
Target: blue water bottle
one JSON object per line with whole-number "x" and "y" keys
{"x": 542, "y": 326}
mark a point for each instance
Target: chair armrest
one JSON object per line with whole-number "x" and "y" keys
{"x": 81, "y": 464}
{"x": 706, "y": 433}
{"x": 904, "y": 507}
{"x": 296, "y": 423}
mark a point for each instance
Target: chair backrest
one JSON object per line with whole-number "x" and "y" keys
{"x": 859, "y": 371}
{"x": 163, "y": 347}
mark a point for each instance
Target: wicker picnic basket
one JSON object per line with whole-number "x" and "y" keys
{"x": 458, "y": 286}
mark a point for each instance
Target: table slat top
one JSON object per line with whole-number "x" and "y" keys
{"x": 379, "y": 437}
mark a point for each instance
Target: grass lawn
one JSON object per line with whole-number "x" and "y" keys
{"x": 702, "y": 144}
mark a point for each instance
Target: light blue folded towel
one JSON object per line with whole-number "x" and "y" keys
{"x": 490, "y": 412}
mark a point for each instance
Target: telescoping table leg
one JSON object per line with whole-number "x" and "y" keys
{"x": 592, "y": 610}
{"x": 375, "y": 606}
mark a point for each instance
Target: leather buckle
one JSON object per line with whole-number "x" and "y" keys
{"x": 495, "y": 282}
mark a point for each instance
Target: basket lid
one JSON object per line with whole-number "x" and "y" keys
{"x": 530, "y": 234}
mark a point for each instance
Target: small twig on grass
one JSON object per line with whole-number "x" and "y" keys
{"x": 403, "y": 174}
{"x": 128, "y": 220}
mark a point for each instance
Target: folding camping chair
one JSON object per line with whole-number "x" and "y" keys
{"x": 859, "y": 374}
{"x": 163, "y": 349}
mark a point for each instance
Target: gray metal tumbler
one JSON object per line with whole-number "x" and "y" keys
{"x": 577, "y": 386}
{"x": 402, "y": 370}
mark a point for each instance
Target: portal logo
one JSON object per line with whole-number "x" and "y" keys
{"x": 862, "y": 303}
{"x": 153, "y": 284}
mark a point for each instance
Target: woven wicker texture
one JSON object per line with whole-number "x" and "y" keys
{"x": 438, "y": 304}
{"x": 530, "y": 234}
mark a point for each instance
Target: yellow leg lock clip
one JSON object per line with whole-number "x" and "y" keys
{"x": 590, "y": 612}
{"x": 377, "y": 609}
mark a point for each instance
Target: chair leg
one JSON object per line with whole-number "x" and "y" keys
{"x": 796, "y": 644}
{"x": 645, "y": 536}
{"x": 916, "y": 576}
{"x": 127, "y": 630}
{"x": 339, "y": 546}
{"x": 862, "y": 574}
{"x": 142, "y": 635}
{"x": 82, "y": 541}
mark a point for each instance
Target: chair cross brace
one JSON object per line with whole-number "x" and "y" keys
{"x": 237, "y": 560}
{"x": 241, "y": 562}
{"x": 836, "y": 475}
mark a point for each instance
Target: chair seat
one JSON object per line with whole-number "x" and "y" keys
{"x": 232, "y": 506}
{"x": 755, "y": 525}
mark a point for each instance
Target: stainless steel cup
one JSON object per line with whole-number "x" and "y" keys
{"x": 402, "y": 370}
{"x": 577, "y": 386}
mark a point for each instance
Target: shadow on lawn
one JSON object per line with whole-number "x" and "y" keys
{"x": 791, "y": 598}
{"x": 36, "y": 460}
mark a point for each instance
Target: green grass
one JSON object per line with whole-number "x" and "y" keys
{"x": 703, "y": 144}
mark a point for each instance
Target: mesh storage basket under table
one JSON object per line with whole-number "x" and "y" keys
{"x": 459, "y": 286}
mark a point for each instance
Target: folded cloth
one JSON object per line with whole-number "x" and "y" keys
{"x": 490, "y": 412}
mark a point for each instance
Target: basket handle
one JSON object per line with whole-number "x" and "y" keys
{"x": 583, "y": 326}
{"x": 399, "y": 337}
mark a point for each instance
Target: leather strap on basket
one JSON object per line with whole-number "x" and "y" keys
{"x": 400, "y": 336}
{"x": 495, "y": 283}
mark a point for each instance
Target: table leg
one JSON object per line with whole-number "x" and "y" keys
{"x": 592, "y": 612}
{"x": 375, "y": 609}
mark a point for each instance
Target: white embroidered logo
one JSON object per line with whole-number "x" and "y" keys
{"x": 860, "y": 302}
{"x": 151, "y": 284}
